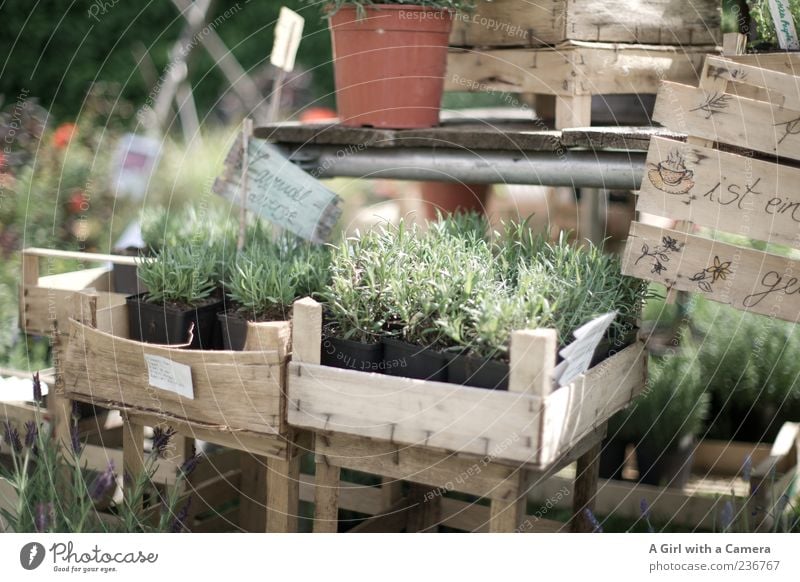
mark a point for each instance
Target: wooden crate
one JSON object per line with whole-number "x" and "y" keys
{"x": 46, "y": 300}
{"x": 716, "y": 479}
{"x": 736, "y": 173}
{"x": 523, "y": 23}
{"x": 530, "y": 424}
{"x": 569, "y": 74}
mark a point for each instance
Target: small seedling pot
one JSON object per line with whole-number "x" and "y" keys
{"x": 412, "y": 361}
{"x": 352, "y": 355}
{"x": 169, "y": 324}
{"x": 125, "y": 278}
{"x": 233, "y": 329}
{"x": 666, "y": 468}
{"x": 477, "y": 372}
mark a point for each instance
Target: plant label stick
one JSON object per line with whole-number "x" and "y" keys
{"x": 784, "y": 25}
{"x": 247, "y": 131}
{"x": 578, "y": 355}
{"x": 288, "y": 33}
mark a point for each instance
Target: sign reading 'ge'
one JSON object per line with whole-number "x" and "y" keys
{"x": 279, "y": 191}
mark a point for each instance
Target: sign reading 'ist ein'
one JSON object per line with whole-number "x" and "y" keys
{"x": 279, "y": 191}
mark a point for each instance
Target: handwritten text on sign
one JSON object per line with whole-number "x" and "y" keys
{"x": 171, "y": 376}
{"x": 280, "y": 191}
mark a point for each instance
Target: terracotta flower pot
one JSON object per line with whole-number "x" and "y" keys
{"x": 390, "y": 65}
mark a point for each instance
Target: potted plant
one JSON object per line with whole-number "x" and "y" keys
{"x": 264, "y": 282}
{"x": 355, "y": 309}
{"x": 667, "y": 418}
{"x": 181, "y": 298}
{"x": 389, "y": 60}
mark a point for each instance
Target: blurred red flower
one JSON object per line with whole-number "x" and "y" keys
{"x": 77, "y": 203}
{"x": 64, "y": 134}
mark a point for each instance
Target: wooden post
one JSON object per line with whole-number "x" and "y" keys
{"x": 533, "y": 357}
{"x": 586, "y": 476}
{"x": 253, "y": 494}
{"x": 307, "y": 331}
{"x": 326, "y": 496}
{"x": 425, "y": 511}
{"x": 506, "y": 515}
{"x": 283, "y": 494}
{"x": 247, "y": 131}
{"x": 573, "y": 111}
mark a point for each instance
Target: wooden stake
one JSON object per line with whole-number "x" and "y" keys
{"x": 247, "y": 131}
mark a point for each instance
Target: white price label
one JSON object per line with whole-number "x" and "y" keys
{"x": 288, "y": 33}
{"x": 578, "y": 355}
{"x": 167, "y": 375}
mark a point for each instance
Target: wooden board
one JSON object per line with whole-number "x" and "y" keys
{"x": 746, "y": 279}
{"x": 723, "y": 191}
{"x": 726, "y": 118}
{"x": 233, "y": 390}
{"x": 516, "y": 23}
{"x": 574, "y": 68}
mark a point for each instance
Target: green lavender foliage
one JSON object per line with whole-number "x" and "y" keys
{"x": 178, "y": 274}
{"x": 457, "y": 286}
{"x": 765, "y": 26}
{"x": 268, "y": 276}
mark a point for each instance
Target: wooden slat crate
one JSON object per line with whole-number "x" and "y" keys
{"x": 573, "y": 72}
{"x": 529, "y": 424}
{"x": 737, "y": 174}
{"x": 528, "y": 23}
{"x": 716, "y": 479}
{"x": 442, "y": 437}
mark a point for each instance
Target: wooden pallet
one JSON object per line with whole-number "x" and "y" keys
{"x": 239, "y": 397}
{"x": 737, "y": 174}
{"x": 547, "y": 22}
{"x": 565, "y": 77}
{"x": 716, "y": 479}
{"x": 432, "y": 433}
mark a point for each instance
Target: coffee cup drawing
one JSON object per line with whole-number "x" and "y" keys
{"x": 671, "y": 175}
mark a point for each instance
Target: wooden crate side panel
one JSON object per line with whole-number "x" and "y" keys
{"x": 240, "y": 390}
{"x": 671, "y": 22}
{"x": 574, "y": 411}
{"x": 779, "y": 88}
{"x": 573, "y": 69}
{"x": 42, "y": 307}
{"x": 476, "y": 475}
{"x": 783, "y": 62}
{"x": 511, "y": 23}
{"x": 729, "y": 119}
{"x": 414, "y": 412}
{"x": 746, "y": 279}
{"x": 723, "y": 191}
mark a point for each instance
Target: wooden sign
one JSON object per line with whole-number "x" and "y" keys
{"x": 279, "y": 191}
{"x": 727, "y": 118}
{"x": 747, "y": 279}
{"x": 723, "y": 191}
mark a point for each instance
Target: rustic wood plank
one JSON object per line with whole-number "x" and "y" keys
{"x": 782, "y": 61}
{"x": 726, "y": 118}
{"x": 253, "y": 493}
{"x": 364, "y": 499}
{"x": 472, "y": 517}
{"x": 283, "y": 494}
{"x": 723, "y": 191}
{"x": 781, "y": 88}
{"x": 746, "y": 279}
{"x": 514, "y": 23}
{"x": 239, "y": 390}
{"x": 477, "y": 476}
{"x": 574, "y": 68}
{"x": 307, "y": 321}
{"x": 79, "y": 255}
{"x": 414, "y": 412}
{"x": 573, "y": 412}
{"x": 615, "y": 138}
{"x": 326, "y": 496}
{"x": 532, "y": 360}
{"x": 586, "y": 476}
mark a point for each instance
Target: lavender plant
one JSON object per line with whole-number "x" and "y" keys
{"x": 56, "y": 493}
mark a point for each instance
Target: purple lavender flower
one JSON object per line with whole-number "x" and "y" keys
{"x": 190, "y": 464}
{"x": 11, "y": 436}
{"x": 76, "y": 441}
{"x": 161, "y": 440}
{"x": 596, "y": 527}
{"x": 644, "y": 507}
{"x": 31, "y": 433}
{"x": 726, "y": 515}
{"x": 76, "y": 410}
{"x": 102, "y": 483}
{"x": 179, "y": 524}
{"x": 37, "y": 388}
{"x": 45, "y": 516}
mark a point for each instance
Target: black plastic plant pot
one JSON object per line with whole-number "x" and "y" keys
{"x": 412, "y": 361}
{"x": 477, "y": 372}
{"x": 125, "y": 277}
{"x": 233, "y": 330}
{"x": 352, "y": 355}
{"x": 157, "y": 323}
{"x": 607, "y": 348}
{"x": 665, "y": 468}
{"x": 612, "y": 458}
